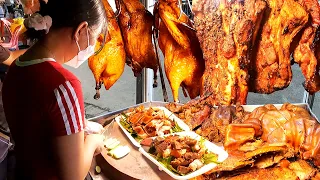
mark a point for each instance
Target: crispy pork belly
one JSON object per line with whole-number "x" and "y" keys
{"x": 140, "y": 131}
{"x": 226, "y": 31}
{"x": 302, "y": 169}
{"x": 305, "y": 54}
{"x": 277, "y": 173}
{"x": 271, "y": 65}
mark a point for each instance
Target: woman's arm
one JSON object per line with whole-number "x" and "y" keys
{"x": 13, "y": 56}
{"x": 74, "y": 154}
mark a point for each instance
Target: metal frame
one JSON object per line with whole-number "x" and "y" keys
{"x": 309, "y": 99}
{"x": 144, "y": 88}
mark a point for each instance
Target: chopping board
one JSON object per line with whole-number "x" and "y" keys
{"x": 134, "y": 165}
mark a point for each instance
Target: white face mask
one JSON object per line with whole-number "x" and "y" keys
{"x": 82, "y": 56}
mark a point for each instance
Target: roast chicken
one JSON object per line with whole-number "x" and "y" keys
{"x": 271, "y": 66}
{"x": 183, "y": 60}
{"x": 227, "y": 30}
{"x": 306, "y": 54}
{"x": 108, "y": 65}
{"x": 136, "y": 27}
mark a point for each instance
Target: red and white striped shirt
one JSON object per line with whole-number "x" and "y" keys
{"x": 41, "y": 100}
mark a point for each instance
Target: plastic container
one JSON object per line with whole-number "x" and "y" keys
{"x": 222, "y": 155}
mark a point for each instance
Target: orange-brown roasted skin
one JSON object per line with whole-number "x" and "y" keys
{"x": 305, "y": 53}
{"x": 184, "y": 64}
{"x": 136, "y": 26}
{"x": 271, "y": 69}
{"x": 108, "y": 65}
{"x": 292, "y": 126}
{"x": 226, "y": 31}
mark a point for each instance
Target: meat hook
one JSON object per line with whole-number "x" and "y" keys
{"x": 163, "y": 86}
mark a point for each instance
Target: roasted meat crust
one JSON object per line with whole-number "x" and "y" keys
{"x": 306, "y": 53}
{"x": 136, "y": 26}
{"x": 277, "y": 173}
{"x": 108, "y": 65}
{"x": 226, "y": 30}
{"x": 271, "y": 66}
{"x": 183, "y": 59}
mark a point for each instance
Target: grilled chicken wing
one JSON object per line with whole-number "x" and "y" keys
{"x": 108, "y": 65}
{"x": 136, "y": 27}
{"x": 184, "y": 64}
{"x": 305, "y": 53}
{"x": 271, "y": 69}
{"x": 226, "y": 30}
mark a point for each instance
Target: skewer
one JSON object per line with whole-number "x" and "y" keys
{"x": 163, "y": 86}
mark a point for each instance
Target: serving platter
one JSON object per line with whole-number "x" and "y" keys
{"x": 211, "y": 147}
{"x": 168, "y": 115}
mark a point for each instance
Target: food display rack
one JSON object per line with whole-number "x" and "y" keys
{"x": 144, "y": 96}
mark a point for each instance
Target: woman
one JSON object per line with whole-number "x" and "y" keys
{"x": 43, "y": 102}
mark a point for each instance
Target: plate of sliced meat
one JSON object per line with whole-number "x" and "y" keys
{"x": 141, "y": 123}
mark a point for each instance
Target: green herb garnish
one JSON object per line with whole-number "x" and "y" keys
{"x": 129, "y": 128}
{"x": 176, "y": 128}
{"x": 210, "y": 158}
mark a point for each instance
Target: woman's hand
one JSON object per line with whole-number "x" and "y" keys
{"x": 93, "y": 128}
{"x": 96, "y": 141}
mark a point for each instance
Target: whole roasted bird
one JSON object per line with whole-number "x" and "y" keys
{"x": 136, "y": 27}
{"x": 227, "y": 30}
{"x": 184, "y": 64}
{"x": 108, "y": 65}
{"x": 306, "y": 54}
{"x": 271, "y": 66}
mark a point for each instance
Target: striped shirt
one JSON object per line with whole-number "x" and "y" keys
{"x": 41, "y": 100}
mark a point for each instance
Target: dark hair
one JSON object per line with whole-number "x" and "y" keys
{"x": 70, "y": 13}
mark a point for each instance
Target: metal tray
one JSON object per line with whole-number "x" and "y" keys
{"x": 106, "y": 118}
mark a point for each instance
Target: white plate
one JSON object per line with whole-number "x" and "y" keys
{"x": 222, "y": 155}
{"x": 167, "y": 113}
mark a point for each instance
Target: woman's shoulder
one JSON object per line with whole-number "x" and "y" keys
{"x": 60, "y": 76}
{"x": 62, "y": 73}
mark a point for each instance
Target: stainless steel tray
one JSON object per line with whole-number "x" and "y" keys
{"x": 106, "y": 118}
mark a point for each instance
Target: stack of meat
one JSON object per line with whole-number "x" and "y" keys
{"x": 247, "y": 46}
{"x": 267, "y": 143}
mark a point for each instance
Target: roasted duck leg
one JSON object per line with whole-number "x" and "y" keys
{"x": 136, "y": 28}
{"x": 108, "y": 65}
{"x": 306, "y": 52}
{"x": 271, "y": 69}
{"x": 226, "y": 30}
{"x": 184, "y": 64}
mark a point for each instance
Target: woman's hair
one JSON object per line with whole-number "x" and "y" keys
{"x": 70, "y": 13}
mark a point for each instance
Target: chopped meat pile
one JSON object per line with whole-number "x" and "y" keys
{"x": 208, "y": 121}
{"x": 183, "y": 154}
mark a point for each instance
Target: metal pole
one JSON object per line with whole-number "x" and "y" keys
{"x": 309, "y": 99}
{"x": 144, "y": 91}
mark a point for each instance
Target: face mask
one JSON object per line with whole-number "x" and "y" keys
{"x": 82, "y": 56}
